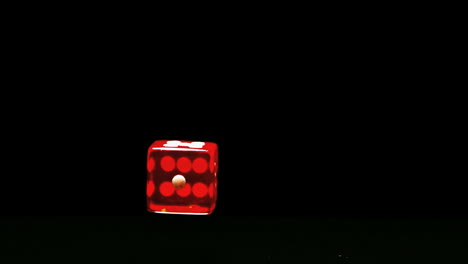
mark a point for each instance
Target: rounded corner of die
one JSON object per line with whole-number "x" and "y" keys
{"x": 212, "y": 143}
{"x": 156, "y": 145}
{"x": 211, "y": 146}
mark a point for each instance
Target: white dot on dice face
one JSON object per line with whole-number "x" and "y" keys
{"x": 178, "y": 181}
{"x": 172, "y": 143}
{"x": 197, "y": 144}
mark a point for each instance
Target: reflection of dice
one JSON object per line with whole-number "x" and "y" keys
{"x": 182, "y": 177}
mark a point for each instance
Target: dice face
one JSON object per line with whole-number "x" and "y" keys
{"x": 182, "y": 177}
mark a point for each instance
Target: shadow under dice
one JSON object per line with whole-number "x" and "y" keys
{"x": 182, "y": 177}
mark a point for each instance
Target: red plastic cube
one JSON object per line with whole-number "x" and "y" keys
{"x": 182, "y": 177}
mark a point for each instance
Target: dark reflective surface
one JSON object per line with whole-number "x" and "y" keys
{"x": 200, "y": 239}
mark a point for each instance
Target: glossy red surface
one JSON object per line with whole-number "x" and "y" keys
{"x": 167, "y": 163}
{"x": 200, "y": 165}
{"x": 184, "y": 164}
{"x": 197, "y": 162}
{"x": 200, "y": 190}
{"x": 185, "y": 191}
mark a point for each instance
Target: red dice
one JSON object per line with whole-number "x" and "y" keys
{"x": 182, "y": 177}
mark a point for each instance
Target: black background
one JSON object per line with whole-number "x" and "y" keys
{"x": 323, "y": 182}
{"x": 308, "y": 172}
{"x": 298, "y": 162}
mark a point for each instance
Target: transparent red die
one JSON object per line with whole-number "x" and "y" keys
{"x": 182, "y": 177}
